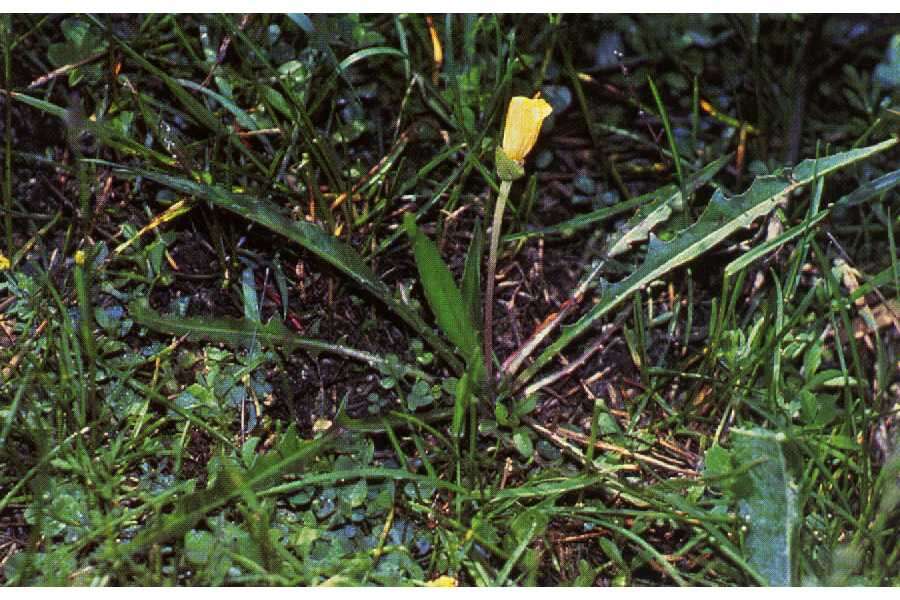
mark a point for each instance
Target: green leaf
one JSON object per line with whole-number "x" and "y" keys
{"x": 81, "y": 43}
{"x": 419, "y": 396}
{"x": 654, "y": 208}
{"x": 501, "y": 413}
{"x": 243, "y": 332}
{"x": 664, "y": 115}
{"x": 313, "y": 238}
{"x": 198, "y": 546}
{"x": 612, "y": 552}
{"x": 523, "y": 443}
{"x": 870, "y": 190}
{"x": 444, "y": 298}
{"x": 768, "y": 503}
{"x": 547, "y": 487}
{"x": 525, "y": 405}
{"x": 251, "y": 302}
{"x": 281, "y": 282}
{"x": 290, "y": 455}
{"x": 275, "y": 98}
{"x": 525, "y": 527}
{"x": 471, "y": 279}
{"x": 722, "y": 217}
{"x": 717, "y": 462}
{"x": 243, "y": 118}
{"x": 369, "y": 53}
{"x": 461, "y": 402}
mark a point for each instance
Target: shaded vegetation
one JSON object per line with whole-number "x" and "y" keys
{"x": 242, "y": 301}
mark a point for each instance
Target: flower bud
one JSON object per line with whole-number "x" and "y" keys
{"x": 523, "y": 124}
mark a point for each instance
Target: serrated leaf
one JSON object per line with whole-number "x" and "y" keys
{"x": 659, "y": 210}
{"x": 768, "y": 503}
{"x": 639, "y": 227}
{"x": 668, "y": 196}
{"x": 722, "y": 217}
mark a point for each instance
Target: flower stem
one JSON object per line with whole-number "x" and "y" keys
{"x": 489, "y": 288}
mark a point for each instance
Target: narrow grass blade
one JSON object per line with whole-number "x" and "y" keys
{"x": 769, "y": 246}
{"x": 870, "y": 190}
{"x": 503, "y": 575}
{"x": 244, "y": 119}
{"x": 664, "y": 114}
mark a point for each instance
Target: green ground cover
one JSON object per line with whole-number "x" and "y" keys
{"x": 243, "y": 300}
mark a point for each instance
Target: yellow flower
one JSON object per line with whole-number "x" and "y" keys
{"x": 442, "y": 581}
{"x": 4, "y": 262}
{"x": 523, "y": 124}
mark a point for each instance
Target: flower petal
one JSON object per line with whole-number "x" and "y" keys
{"x": 523, "y": 124}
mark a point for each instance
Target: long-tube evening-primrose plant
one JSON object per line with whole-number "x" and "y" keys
{"x": 456, "y": 311}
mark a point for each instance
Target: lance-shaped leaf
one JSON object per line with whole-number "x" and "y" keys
{"x": 870, "y": 190}
{"x": 444, "y": 298}
{"x": 471, "y": 279}
{"x": 720, "y": 219}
